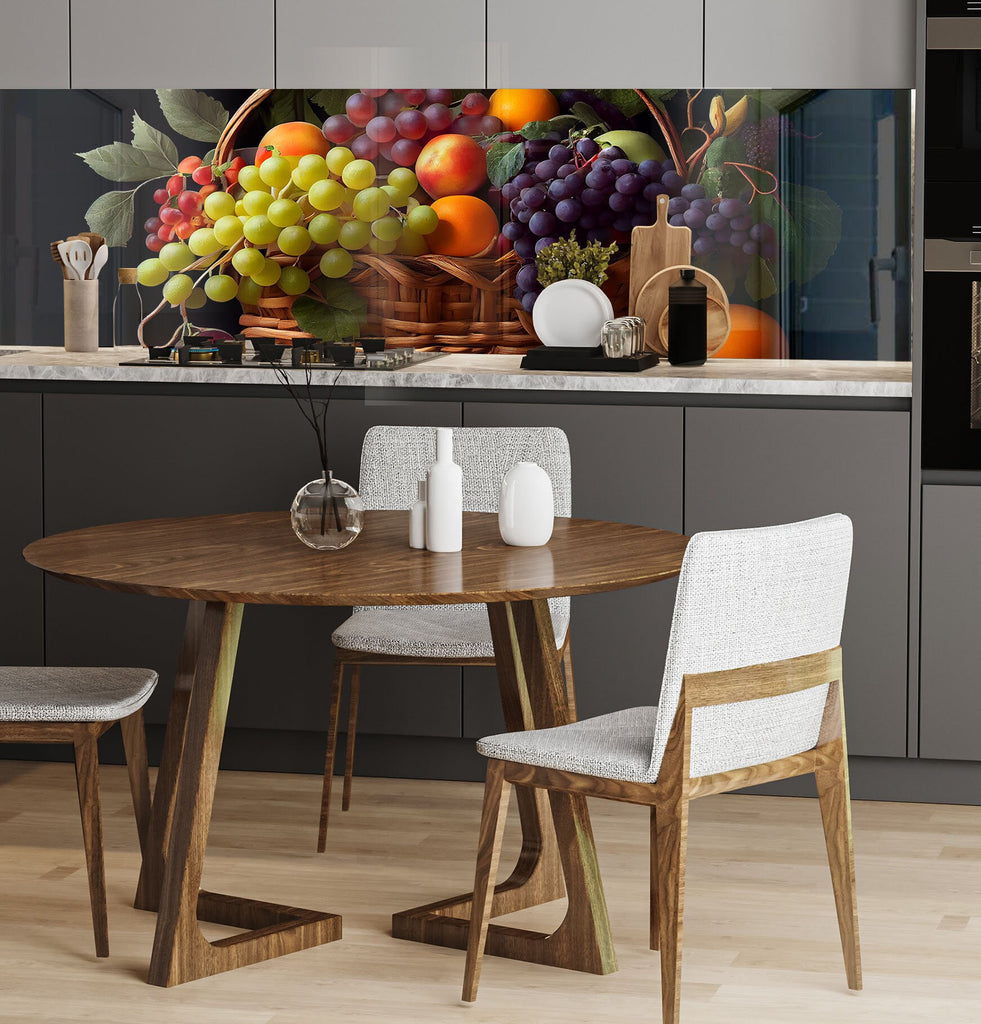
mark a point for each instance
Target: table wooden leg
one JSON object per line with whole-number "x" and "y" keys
{"x": 557, "y": 840}
{"x": 180, "y": 951}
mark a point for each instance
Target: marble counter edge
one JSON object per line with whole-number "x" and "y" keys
{"x": 430, "y": 376}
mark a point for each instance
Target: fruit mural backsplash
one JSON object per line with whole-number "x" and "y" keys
{"x": 342, "y": 182}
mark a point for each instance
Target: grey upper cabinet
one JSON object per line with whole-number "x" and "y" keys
{"x": 124, "y": 46}
{"x": 579, "y": 43}
{"x": 834, "y": 44}
{"x": 34, "y": 45}
{"x": 950, "y": 688}
{"x": 379, "y": 44}
{"x": 760, "y": 467}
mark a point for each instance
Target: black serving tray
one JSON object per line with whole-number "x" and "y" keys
{"x": 553, "y": 357}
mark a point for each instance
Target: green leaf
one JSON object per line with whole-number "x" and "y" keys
{"x": 760, "y": 283}
{"x": 717, "y": 153}
{"x": 123, "y": 162}
{"x": 342, "y": 315}
{"x": 193, "y": 114}
{"x": 504, "y": 161}
{"x": 331, "y": 101}
{"x": 625, "y": 100}
{"x": 309, "y": 114}
{"x": 817, "y": 220}
{"x": 111, "y": 216}
{"x": 539, "y": 129}
{"x": 154, "y": 143}
{"x": 208, "y": 157}
{"x": 586, "y": 114}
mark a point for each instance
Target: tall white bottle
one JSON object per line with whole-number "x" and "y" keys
{"x": 444, "y": 497}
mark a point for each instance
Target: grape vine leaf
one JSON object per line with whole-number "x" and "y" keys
{"x": 154, "y": 143}
{"x": 585, "y": 113}
{"x": 760, "y": 283}
{"x": 120, "y": 161}
{"x": 504, "y": 161}
{"x": 111, "y": 216}
{"x": 193, "y": 114}
{"x": 625, "y": 100}
{"x": 340, "y": 314}
{"x": 808, "y": 223}
{"x": 330, "y": 101}
{"x": 539, "y": 129}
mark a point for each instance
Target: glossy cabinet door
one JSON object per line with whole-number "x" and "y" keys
{"x": 143, "y": 44}
{"x": 760, "y": 467}
{"x": 380, "y": 44}
{"x": 21, "y": 521}
{"x": 950, "y": 611}
{"x": 626, "y": 466}
{"x": 800, "y": 44}
{"x": 588, "y": 44}
{"x": 34, "y": 45}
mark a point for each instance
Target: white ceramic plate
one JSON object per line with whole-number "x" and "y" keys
{"x": 571, "y": 314}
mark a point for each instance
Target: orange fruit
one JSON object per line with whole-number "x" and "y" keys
{"x": 467, "y": 226}
{"x": 516, "y": 107}
{"x": 293, "y": 140}
{"x": 754, "y": 335}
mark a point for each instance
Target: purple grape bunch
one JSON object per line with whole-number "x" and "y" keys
{"x": 727, "y": 226}
{"x": 579, "y": 187}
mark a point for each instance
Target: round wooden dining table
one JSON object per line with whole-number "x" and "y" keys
{"x": 221, "y": 563}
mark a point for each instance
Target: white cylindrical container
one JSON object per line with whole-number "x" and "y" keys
{"x": 444, "y": 497}
{"x": 526, "y": 514}
{"x": 417, "y": 518}
{"x": 81, "y": 316}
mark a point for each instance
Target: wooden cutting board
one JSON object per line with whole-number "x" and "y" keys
{"x": 654, "y": 248}
{"x": 652, "y": 305}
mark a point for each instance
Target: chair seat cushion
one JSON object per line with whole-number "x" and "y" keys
{"x": 49, "y": 694}
{"x": 614, "y": 746}
{"x": 431, "y": 631}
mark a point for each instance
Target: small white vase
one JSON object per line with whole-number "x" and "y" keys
{"x": 526, "y": 513}
{"x": 444, "y": 497}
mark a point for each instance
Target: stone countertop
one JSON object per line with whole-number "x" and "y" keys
{"x": 804, "y": 377}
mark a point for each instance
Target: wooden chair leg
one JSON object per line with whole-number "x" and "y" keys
{"x": 497, "y": 792}
{"x": 87, "y": 778}
{"x": 671, "y": 848}
{"x": 352, "y": 728}
{"x": 570, "y": 686}
{"x": 655, "y": 926}
{"x": 836, "y": 815}
{"x": 336, "y": 687}
{"x": 134, "y": 744}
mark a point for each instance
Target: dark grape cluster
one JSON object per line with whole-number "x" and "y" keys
{"x": 598, "y": 193}
{"x": 608, "y": 112}
{"x": 725, "y": 226}
{"x": 395, "y": 124}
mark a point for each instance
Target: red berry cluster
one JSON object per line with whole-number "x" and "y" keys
{"x": 395, "y": 124}
{"x": 181, "y": 210}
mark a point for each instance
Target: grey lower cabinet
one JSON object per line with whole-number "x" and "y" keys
{"x": 110, "y": 458}
{"x": 757, "y": 467}
{"x": 21, "y": 586}
{"x": 626, "y": 464}
{"x": 950, "y": 575}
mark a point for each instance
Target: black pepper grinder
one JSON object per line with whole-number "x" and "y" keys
{"x": 687, "y": 317}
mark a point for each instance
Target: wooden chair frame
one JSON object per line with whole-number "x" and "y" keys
{"x": 355, "y": 659}
{"x": 84, "y": 737}
{"x": 669, "y": 798}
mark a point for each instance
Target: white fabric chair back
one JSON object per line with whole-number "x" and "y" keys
{"x": 393, "y": 459}
{"x": 746, "y": 597}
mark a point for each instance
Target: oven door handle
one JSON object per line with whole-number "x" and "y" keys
{"x": 877, "y": 264}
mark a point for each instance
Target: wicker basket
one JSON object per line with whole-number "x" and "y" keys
{"x": 430, "y": 302}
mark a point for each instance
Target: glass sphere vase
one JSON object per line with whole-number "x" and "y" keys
{"x": 327, "y": 514}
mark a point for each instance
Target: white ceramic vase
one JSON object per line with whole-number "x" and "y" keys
{"x": 526, "y": 513}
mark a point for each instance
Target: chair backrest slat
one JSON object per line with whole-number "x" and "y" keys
{"x": 395, "y": 458}
{"x": 750, "y": 598}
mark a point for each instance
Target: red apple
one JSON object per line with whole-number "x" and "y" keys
{"x": 451, "y": 165}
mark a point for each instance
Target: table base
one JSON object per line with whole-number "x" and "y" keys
{"x": 557, "y": 840}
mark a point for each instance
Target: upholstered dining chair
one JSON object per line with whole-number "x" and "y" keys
{"x": 751, "y": 693}
{"x": 78, "y": 705}
{"x": 393, "y": 460}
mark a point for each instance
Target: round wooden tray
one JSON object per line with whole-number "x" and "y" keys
{"x": 652, "y": 305}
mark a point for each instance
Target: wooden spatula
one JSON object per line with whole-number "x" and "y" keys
{"x": 654, "y": 248}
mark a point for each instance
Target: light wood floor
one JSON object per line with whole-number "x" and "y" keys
{"x": 761, "y": 943}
